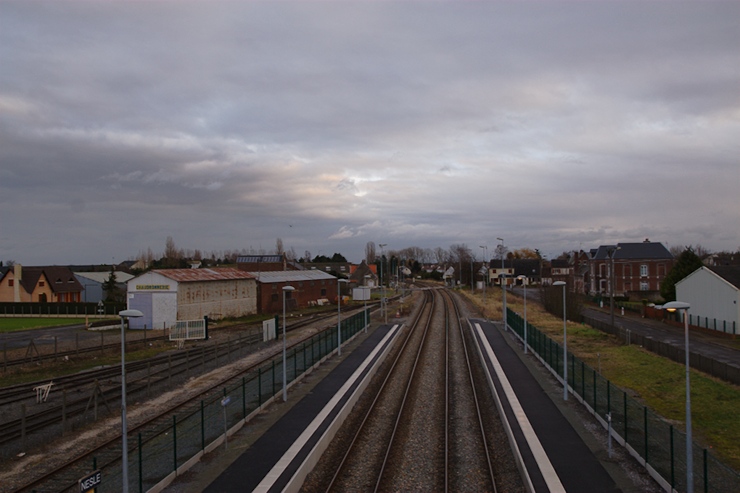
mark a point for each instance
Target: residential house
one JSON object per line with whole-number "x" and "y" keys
{"x": 637, "y": 269}
{"x": 50, "y": 284}
{"x": 713, "y": 294}
{"x": 263, "y": 263}
{"x": 363, "y": 275}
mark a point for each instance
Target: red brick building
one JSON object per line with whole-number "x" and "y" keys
{"x": 311, "y": 287}
{"x": 638, "y": 269}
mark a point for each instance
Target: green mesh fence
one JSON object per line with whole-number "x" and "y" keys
{"x": 163, "y": 447}
{"x": 651, "y": 438}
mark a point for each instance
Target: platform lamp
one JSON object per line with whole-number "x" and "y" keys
{"x": 673, "y": 306}
{"x": 524, "y": 284}
{"x": 286, "y": 290}
{"x": 339, "y": 315}
{"x": 485, "y": 281}
{"x": 503, "y": 278}
{"x": 565, "y": 344}
{"x": 365, "y": 289}
{"x": 383, "y": 307}
{"x": 124, "y": 429}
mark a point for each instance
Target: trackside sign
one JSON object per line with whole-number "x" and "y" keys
{"x": 89, "y": 483}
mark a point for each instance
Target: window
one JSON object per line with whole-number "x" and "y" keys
{"x": 643, "y": 270}
{"x": 274, "y": 297}
{"x": 323, "y": 292}
{"x": 661, "y": 270}
{"x": 10, "y": 282}
{"x": 42, "y": 284}
{"x": 644, "y": 286}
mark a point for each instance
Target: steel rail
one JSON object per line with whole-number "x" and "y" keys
{"x": 378, "y": 394}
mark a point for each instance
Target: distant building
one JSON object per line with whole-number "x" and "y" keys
{"x": 714, "y": 296}
{"x": 51, "y": 284}
{"x": 312, "y": 287}
{"x": 639, "y": 268}
{"x": 93, "y": 283}
{"x": 168, "y": 295}
{"x": 263, "y": 263}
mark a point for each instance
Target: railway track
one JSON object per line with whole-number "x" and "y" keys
{"x": 420, "y": 426}
{"x": 79, "y": 398}
{"x": 108, "y": 454}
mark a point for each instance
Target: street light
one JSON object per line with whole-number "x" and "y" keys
{"x": 286, "y": 290}
{"x": 124, "y": 431}
{"x": 485, "y": 281}
{"x": 339, "y": 315}
{"x": 672, "y": 307}
{"x": 565, "y": 344}
{"x": 503, "y": 277}
{"x": 365, "y": 288}
{"x": 383, "y": 308}
{"x": 524, "y": 283}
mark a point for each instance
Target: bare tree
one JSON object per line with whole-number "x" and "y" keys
{"x": 370, "y": 252}
{"x": 279, "y": 246}
{"x": 440, "y": 255}
{"x": 291, "y": 254}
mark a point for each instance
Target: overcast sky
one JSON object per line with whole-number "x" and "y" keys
{"x": 226, "y": 125}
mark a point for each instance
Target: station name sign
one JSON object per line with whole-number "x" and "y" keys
{"x": 90, "y": 482}
{"x": 152, "y": 287}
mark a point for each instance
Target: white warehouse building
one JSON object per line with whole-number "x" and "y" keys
{"x": 714, "y": 296}
{"x": 165, "y": 296}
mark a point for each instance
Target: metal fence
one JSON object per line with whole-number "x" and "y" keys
{"x": 172, "y": 446}
{"x": 654, "y": 442}
{"x": 30, "y": 309}
{"x": 710, "y": 366}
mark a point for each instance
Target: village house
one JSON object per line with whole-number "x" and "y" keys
{"x": 50, "y": 284}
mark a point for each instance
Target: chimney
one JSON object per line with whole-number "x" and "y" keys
{"x": 18, "y": 277}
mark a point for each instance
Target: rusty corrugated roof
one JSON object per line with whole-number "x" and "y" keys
{"x": 200, "y": 275}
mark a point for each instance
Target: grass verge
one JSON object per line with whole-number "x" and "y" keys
{"x": 657, "y": 382}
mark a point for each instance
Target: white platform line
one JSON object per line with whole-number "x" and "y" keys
{"x": 543, "y": 461}
{"x": 278, "y": 469}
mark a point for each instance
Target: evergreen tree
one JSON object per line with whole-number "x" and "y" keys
{"x": 110, "y": 287}
{"x": 686, "y": 263}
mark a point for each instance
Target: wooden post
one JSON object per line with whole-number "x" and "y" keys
{"x": 64, "y": 410}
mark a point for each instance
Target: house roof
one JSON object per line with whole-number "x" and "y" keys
{"x": 646, "y": 250}
{"x": 200, "y": 275}
{"x": 292, "y": 276}
{"x": 729, "y": 273}
{"x": 60, "y": 279}
{"x": 253, "y": 259}
{"x": 102, "y": 277}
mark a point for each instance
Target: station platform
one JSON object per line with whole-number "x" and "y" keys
{"x": 556, "y": 455}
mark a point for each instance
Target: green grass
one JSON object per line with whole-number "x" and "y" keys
{"x": 12, "y": 324}
{"x": 657, "y": 382}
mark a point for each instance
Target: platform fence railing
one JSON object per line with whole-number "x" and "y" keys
{"x": 652, "y": 440}
{"x": 170, "y": 447}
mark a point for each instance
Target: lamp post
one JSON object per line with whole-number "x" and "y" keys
{"x": 611, "y": 252}
{"x": 485, "y": 280}
{"x": 339, "y": 315}
{"x": 366, "y": 288}
{"x": 503, "y": 278}
{"x": 124, "y": 431}
{"x": 672, "y": 307}
{"x": 286, "y": 290}
{"x": 383, "y": 308}
{"x": 565, "y": 344}
{"x": 524, "y": 284}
